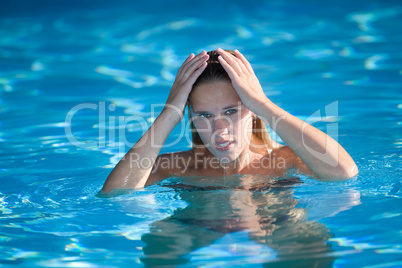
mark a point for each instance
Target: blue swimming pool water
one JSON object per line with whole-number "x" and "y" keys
{"x": 96, "y": 68}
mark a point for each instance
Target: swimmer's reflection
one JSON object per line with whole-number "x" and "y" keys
{"x": 265, "y": 208}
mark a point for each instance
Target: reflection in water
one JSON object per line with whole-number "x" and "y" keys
{"x": 265, "y": 208}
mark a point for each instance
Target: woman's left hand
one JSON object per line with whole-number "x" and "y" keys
{"x": 243, "y": 79}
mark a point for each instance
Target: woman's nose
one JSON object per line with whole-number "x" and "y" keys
{"x": 222, "y": 123}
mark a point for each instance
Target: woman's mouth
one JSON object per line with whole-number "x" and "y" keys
{"x": 224, "y": 145}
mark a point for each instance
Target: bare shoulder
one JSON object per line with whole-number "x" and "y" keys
{"x": 293, "y": 161}
{"x": 284, "y": 151}
{"x": 281, "y": 158}
{"x": 167, "y": 165}
{"x": 176, "y": 155}
{"x": 170, "y": 163}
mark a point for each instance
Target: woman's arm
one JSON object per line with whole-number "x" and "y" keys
{"x": 325, "y": 157}
{"x": 134, "y": 169}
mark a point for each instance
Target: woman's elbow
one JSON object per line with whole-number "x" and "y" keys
{"x": 352, "y": 172}
{"x": 345, "y": 170}
{"x": 348, "y": 173}
{"x": 340, "y": 174}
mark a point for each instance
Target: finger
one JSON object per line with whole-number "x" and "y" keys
{"x": 199, "y": 55}
{"x": 241, "y": 64}
{"x": 192, "y": 56}
{"x": 192, "y": 66}
{"x": 194, "y": 76}
{"x": 229, "y": 70}
{"x": 184, "y": 68}
{"x": 189, "y": 58}
{"x": 180, "y": 71}
{"x": 196, "y": 62}
{"x": 231, "y": 60}
{"x": 244, "y": 61}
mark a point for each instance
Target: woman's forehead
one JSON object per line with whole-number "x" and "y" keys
{"x": 214, "y": 95}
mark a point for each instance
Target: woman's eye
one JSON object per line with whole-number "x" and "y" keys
{"x": 204, "y": 115}
{"x": 231, "y": 111}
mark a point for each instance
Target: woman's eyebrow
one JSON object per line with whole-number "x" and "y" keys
{"x": 225, "y": 108}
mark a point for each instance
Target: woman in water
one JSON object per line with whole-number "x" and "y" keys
{"x": 228, "y": 110}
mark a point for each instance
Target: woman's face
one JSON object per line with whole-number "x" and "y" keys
{"x": 222, "y": 121}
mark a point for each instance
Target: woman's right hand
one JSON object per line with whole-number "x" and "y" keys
{"x": 183, "y": 84}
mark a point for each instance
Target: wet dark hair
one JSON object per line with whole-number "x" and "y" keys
{"x": 214, "y": 72}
